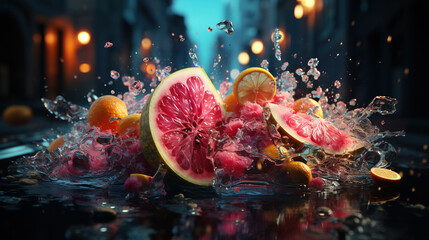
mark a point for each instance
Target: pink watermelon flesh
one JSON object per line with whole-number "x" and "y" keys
{"x": 185, "y": 115}
{"x": 315, "y": 131}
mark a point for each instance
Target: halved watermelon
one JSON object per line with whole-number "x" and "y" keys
{"x": 175, "y": 124}
{"x": 303, "y": 128}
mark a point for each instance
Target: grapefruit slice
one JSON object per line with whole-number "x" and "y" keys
{"x": 302, "y": 128}
{"x": 175, "y": 124}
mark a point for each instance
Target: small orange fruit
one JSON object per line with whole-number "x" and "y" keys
{"x": 255, "y": 85}
{"x": 55, "y": 144}
{"x": 383, "y": 176}
{"x": 104, "y": 111}
{"x": 144, "y": 179}
{"x": 129, "y": 124}
{"x": 17, "y": 115}
{"x": 304, "y": 104}
{"x": 293, "y": 172}
{"x": 231, "y": 103}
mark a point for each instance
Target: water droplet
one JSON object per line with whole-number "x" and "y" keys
{"x": 127, "y": 80}
{"x": 313, "y": 62}
{"x": 226, "y": 26}
{"x": 337, "y": 84}
{"x": 217, "y": 61}
{"x": 264, "y": 64}
{"x": 284, "y": 66}
{"x": 108, "y": 45}
{"x": 317, "y": 93}
{"x": 136, "y": 87}
{"x": 114, "y": 74}
{"x": 276, "y": 38}
{"x": 194, "y": 57}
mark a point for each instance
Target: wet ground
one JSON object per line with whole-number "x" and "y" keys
{"x": 51, "y": 210}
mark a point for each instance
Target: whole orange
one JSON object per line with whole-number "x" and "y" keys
{"x": 293, "y": 172}
{"x": 130, "y": 125}
{"x": 17, "y": 115}
{"x": 106, "y": 112}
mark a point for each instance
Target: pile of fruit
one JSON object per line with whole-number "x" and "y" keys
{"x": 186, "y": 126}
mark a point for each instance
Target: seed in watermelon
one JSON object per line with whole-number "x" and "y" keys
{"x": 302, "y": 128}
{"x": 175, "y": 124}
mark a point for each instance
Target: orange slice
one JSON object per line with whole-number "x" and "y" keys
{"x": 384, "y": 176}
{"x": 255, "y": 85}
{"x": 304, "y": 104}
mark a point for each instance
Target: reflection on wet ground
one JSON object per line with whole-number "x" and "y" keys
{"x": 49, "y": 210}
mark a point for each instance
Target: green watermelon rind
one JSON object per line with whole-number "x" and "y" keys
{"x": 150, "y": 143}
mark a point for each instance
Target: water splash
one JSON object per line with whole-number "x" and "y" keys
{"x": 226, "y": 26}
{"x": 286, "y": 82}
{"x": 276, "y": 38}
{"x": 194, "y": 57}
{"x": 108, "y": 45}
{"x": 64, "y": 109}
{"x": 114, "y": 74}
{"x": 284, "y": 66}
{"x": 264, "y": 64}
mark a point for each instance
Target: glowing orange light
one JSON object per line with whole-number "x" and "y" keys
{"x": 148, "y": 68}
{"x": 83, "y": 37}
{"x": 257, "y": 47}
{"x": 84, "y": 68}
{"x": 146, "y": 43}
{"x": 298, "y": 12}
{"x": 50, "y": 38}
{"x": 308, "y": 3}
{"x": 243, "y": 58}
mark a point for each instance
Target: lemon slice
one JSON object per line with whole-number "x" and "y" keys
{"x": 255, "y": 85}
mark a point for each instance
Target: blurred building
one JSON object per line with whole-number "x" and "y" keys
{"x": 42, "y": 55}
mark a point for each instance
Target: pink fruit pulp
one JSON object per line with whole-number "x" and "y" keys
{"x": 181, "y": 120}
{"x": 314, "y": 131}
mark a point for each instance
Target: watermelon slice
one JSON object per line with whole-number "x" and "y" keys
{"x": 175, "y": 124}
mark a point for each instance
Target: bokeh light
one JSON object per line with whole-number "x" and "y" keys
{"x": 257, "y": 47}
{"x": 234, "y": 73}
{"x": 243, "y": 58}
{"x": 84, "y": 37}
{"x": 84, "y": 68}
{"x": 308, "y": 3}
{"x": 146, "y": 44}
{"x": 298, "y": 12}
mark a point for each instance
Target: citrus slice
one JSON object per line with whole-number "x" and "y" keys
{"x": 254, "y": 85}
{"x": 175, "y": 124}
{"x": 305, "y": 104}
{"x": 302, "y": 128}
{"x": 383, "y": 176}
